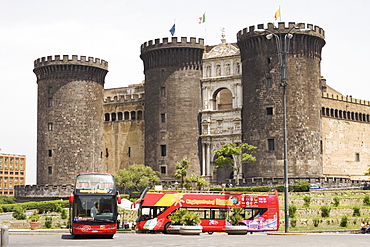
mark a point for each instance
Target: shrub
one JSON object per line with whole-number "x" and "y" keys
{"x": 344, "y": 221}
{"x": 293, "y": 222}
{"x": 292, "y": 210}
{"x": 176, "y": 217}
{"x": 301, "y": 186}
{"x": 190, "y": 219}
{"x": 19, "y": 214}
{"x": 325, "y": 211}
{"x": 316, "y": 222}
{"x": 183, "y": 216}
{"x": 236, "y": 217}
{"x": 367, "y": 200}
{"x": 46, "y": 207}
{"x": 34, "y": 217}
{"x": 307, "y": 201}
{"x": 135, "y": 195}
{"x": 356, "y": 211}
{"x": 7, "y": 200}
{"x": 336, "y": 201}
{"x": 63, "y": 214}
{"x": 48, "y": 221}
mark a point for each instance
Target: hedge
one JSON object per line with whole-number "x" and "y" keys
{"x": 42, "y": 207}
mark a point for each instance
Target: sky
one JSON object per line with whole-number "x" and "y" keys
{"x": 113, "y": 30}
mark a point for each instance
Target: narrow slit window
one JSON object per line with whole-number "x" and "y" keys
{"x": 270, "y": 144}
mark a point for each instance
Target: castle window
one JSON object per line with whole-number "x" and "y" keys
{"x": 133, "y": 115}
{"x": 270, "y": 144}
{"x": 224, "y": 99}
{"x": 163, "y": 169}
{"x": 50, "y": 153}
{"x": 114, "y": 116}
{"x": 50, "y": 102}
{"x": 270, "y": 111}
{"x": 268, "y": 82}
{"x": 163, "y": 91}
{"x": 129, "y": 152}
{"x": 163, "y": 117}
{"x": 127, "y": 115}
{"x": 139, "y": 115}
{"x": 50, "y": 90}
{"x": 163, "y": 150}
{"x": 50, "y": 126}
{"x": 120, "y": 116}
{"x": 106, "y": 117}
{"x": 50, "y": 170}
{"x": 357, "y": 157}
{"x": 163, "y": 72}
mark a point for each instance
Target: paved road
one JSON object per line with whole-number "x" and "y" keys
{"x": 204, "y": 240}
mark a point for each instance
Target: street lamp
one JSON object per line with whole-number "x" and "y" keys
{"x": 283, "y": 62}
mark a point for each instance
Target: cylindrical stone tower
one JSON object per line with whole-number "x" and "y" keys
{"x": 172, "y": 103}
{"x": 263, "y": 100}
{"x": 69, "y": 117}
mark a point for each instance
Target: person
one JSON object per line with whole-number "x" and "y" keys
{"x": 94, "y": 210}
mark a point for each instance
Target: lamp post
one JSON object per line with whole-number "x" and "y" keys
{"x": 283, "y": 63}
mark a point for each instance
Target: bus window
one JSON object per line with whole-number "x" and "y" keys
{"x": 251, "y": 213}
{"x": 150, "y": 212}
{"x": 219, "y": 213}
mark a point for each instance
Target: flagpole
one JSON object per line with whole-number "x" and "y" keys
{"x": 205, "y": 33}
{"x": 280, "y": 13}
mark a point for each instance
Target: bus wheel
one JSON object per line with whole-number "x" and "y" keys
{"x": 210, "y": 233}
{"x": 109, "y": 236}
{"x": 166, "y": 226}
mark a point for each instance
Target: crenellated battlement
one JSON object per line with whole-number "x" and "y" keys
{"x": 282, "y": 28}
{"x": 173, "y": 43}
{"x": 124, "y": 98}
{"x": 75, "y": 60}
{"x": 42, "y": 192}
{"x": 347, "y": 99}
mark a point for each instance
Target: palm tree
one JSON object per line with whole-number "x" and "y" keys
{"x": 181, "y": 168}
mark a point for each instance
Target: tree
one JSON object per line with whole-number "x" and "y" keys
{"x": 181, "y": 170}
{"x": 232, "y": 154}
{"x": 137, "y": 177}
{"x": 195, "y": 182}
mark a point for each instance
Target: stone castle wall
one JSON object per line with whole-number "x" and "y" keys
{"x": 69, "y": 117}
{"x": 262, "y": 89}
{"x": 123, "y": 134}
{"x": 346, "y": 126}
{"x": 172, "y": 103}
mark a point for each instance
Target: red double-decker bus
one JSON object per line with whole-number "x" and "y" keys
{"x": 93, "y": 205}
{"x": 261, "y": 210}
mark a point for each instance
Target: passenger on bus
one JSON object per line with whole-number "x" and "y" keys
{"x": 94, "y": 210}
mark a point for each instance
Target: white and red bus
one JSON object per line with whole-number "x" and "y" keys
{"x": 93, "y": 205}
{"x": 261, "y": 210}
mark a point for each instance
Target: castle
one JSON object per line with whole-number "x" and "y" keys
{"x": 196, "y": 98}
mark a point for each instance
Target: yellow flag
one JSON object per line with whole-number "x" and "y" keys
{"x": 277, "y": 14}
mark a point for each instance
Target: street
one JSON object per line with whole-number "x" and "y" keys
{"x": 217, "y": 239}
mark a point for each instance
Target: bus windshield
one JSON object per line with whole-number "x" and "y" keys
{"x": 95, "y": 208}
{"x": 95, "y": 183}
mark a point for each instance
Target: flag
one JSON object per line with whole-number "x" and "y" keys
{"x": 202, "y": 19}
{"x": 277, "y": 13}
{"x": 172, "y": 30}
